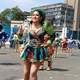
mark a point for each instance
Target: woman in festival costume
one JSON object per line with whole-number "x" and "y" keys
{"x": 48, "y": 46}
{"x": 48, "y": 40}
{"x": 33, "y": 53}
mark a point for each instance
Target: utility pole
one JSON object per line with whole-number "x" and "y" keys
{"x": 65, "y": 15}
{"x": 78, "y": 29}
{"x": 65, "y": 21}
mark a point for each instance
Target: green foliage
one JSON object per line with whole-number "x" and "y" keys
{"x": 11, "y": 14}
{"x": 3, "y": 15}
{"x": 17, "y": 14}
{"x": 48, "y": 27}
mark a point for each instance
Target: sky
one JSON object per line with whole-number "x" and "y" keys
{"x": 26, "y": 5}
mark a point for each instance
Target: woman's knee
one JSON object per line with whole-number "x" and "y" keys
{"x": 34, "y": 69}
{"x": 33, "y": 72}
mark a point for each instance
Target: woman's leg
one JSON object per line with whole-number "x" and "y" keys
{"x": 41, "y": 66}
{"x": 27, "y": 67}
{"x": 17, "y": 45}
{"x": 34, "y": 70}
{"x": 49, "y": 62}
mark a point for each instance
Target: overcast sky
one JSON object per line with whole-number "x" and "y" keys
{"x": 26, "y": 4}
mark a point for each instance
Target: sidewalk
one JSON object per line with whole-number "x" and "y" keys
{"x": 64, "y": 67}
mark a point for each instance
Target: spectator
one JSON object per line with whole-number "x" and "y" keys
{"x": 3, "y": 36}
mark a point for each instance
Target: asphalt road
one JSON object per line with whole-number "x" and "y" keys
{"x": 65, "y": 67}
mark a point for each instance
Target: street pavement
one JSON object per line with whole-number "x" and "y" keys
{"x": 65, "y": 66}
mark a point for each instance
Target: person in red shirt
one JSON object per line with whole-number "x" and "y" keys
{"x": 64, "y": 45}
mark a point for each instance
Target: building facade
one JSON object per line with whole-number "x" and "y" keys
{"x": 76, "y": 22}
{"x": 59, "y": 15}
{"x": 15, "y": 25}
{"x": 76, "y": 6}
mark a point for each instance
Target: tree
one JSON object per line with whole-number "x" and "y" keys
{"x": 18, "y": 14}
{"x": 11, "y": 14}
{"x": 3, "y": 15}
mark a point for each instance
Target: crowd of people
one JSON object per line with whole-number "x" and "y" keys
{"x": 39, "y": 47}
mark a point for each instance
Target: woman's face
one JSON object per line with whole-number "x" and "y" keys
{"x": 36, "y": 18}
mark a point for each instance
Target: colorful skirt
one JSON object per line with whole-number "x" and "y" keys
{"x": 34, "y": 54}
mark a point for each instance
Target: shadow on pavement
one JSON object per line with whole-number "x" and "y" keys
{"x": 61, "y": 57}
{"x": 75, "y": 55}
{"x": 3, "y": 53}
{"x": 10, "y": 64}
{"x": 56, "y": 69}
{"x": 59, "y": 69}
